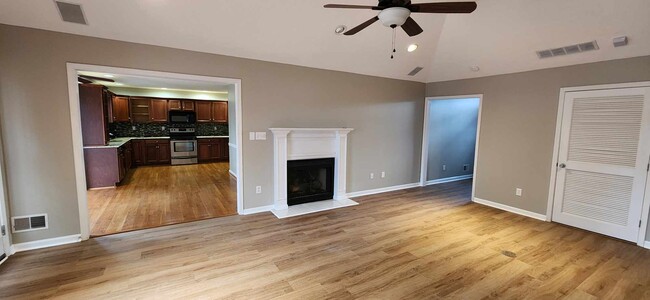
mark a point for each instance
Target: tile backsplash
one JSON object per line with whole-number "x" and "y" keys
{"x": 127, "y": 129}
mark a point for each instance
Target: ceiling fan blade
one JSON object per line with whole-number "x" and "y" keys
{"x": 96, "y": 78}
{"x": 362, "y": 26}
{"x": 83, "y": 80}
{"x": 349, "y": 6}
{"x": 411, "y": 27}
{"x": 444, "y": 7}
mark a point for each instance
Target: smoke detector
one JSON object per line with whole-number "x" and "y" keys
{"x": 340, "y": 29}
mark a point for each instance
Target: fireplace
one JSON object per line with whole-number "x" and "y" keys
{"x": 310, "y": 180}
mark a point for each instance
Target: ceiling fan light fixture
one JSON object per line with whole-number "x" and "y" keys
{"x": 412, "y": 47}
{"x": 394, "y": 16}
{"x": 340, "y": 29}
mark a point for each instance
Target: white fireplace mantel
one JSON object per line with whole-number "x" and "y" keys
{"x": 309, "y": 143}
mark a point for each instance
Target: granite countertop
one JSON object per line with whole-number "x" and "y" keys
{"x": 118, "y": 142}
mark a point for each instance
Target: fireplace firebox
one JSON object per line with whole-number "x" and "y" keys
{"x": 310, "y": 180}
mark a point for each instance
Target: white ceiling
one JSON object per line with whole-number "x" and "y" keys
{"x": 131, "y": 81}
{"x": 500, "y": 37}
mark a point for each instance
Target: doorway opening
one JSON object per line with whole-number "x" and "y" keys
{"x": 153, "y": 148}
{"x": 450, "y": 139}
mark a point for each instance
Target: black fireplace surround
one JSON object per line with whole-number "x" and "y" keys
{"x": 310, "y": 180}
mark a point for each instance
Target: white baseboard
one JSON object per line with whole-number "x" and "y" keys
{"x": 256, "y": 210}
{"x": 646, "y": 245}
{"x": 511, "y": 209}
{"x": 383, "y": 190}
{"x": 449, "y": 179}
{"x": 232, "y": 173}
{"x": 57, "y": 241}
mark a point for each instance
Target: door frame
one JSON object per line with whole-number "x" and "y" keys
{"x": 424, "y": 161}
{"x": 4, "y": 212}
{"x": 645, "y": 212}
{"x": 77, "y": 141}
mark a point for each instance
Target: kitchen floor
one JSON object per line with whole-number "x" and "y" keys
{"x": 152, "y": 196}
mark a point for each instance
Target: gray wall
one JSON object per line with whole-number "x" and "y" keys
{"x": 518, "y": 124}
{"x": 451, "y": 137}
{"x": 35, "y": 116}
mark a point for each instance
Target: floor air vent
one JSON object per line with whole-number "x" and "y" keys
{"x": 415, "y": 71}
{"x": 71, "y": 12}
{"x": 29, "y": 223}
{"x": 568, "y": 50}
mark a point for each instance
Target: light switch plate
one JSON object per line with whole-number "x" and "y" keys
{"x": 251, "y": 136}
{"x": 260, "y": 136}
{"x": 518, "y": 192}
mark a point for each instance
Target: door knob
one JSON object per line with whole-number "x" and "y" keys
{"x": 562, "y": 166}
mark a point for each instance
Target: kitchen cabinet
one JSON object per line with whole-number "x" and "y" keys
{"x": 140, "y": 109}
{"x": 106, "y": 167}
{"x": 211, "y": 111}
{"x": 94, "y": 105}
{"x": 183, "y": 105}
{"x": 158, "y": 110}
{"x": 212, "y": 149}
{"x": 157, "y": 152}
{"x": 120, "y": 109}
{"x": 138, "y": 152}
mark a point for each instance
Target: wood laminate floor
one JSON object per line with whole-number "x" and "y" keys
{"x": 421, "y": 243}
{"x": 152, "y": 196}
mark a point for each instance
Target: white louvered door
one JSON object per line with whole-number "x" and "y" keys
{"x": 603, "y": 160}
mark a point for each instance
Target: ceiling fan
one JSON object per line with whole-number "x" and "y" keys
{"x": 395, "y": 13}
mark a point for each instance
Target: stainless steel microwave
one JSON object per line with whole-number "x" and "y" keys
{"x": 182, "y": 117}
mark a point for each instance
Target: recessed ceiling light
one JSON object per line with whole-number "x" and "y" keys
{"x": 109, "y": 76}
{"x": 412, "y": 47}
{"x": 164, "y": 88}
{"x": 117, "y": 83}
{"x": 340, "y": 29}
{"x": 474, "y": 68}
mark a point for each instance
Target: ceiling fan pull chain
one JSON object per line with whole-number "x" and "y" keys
{"x": 392, "y": 54}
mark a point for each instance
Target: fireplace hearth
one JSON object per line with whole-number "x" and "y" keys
{"x": 310, "y": 180}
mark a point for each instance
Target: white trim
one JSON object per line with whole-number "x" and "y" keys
{"x": 646, "y": 245}
{"x": 312, "y": 207}
{"x": 424, "y": 162}
{"x": 511, "y": 209}
{"x": 449, "y": 179}
{"x": 77, "y": 143}
{"x": 232, "y": 174}
{"x": 645, "y": 212}
{"x": 383, "y": 190}
{"x": 256, "y": 210}
{"x": 4, "y": 259}
{"x": 231, "y": 145}
{"x": 57, "y": 241}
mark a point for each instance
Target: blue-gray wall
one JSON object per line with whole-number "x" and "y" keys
{"x": 452, "y": 137}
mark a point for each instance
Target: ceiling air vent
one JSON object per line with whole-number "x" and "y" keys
{"x": 71, "y": 12}
{"x": 29, "y": 223}
{"x": 415, "y": 71}
{"x": 568, "y": 50}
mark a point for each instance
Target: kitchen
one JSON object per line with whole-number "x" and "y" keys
{"x": 156, "y": 152}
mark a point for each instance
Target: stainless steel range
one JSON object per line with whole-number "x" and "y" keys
{"x": 183, "y": 146}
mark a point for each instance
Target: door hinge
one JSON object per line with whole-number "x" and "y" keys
{"x": 648, "y": 168}
{"x": 639, "y": 225}
{"x": 3, "y": 230}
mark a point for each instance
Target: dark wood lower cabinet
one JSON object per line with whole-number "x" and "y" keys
{"x": 157, "y": 152}
{"x": 106, "y": 167}
{"x": 212, "y": 149}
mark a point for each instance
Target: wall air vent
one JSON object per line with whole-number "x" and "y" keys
{"x": 568, "y": 50}
{"x": 29, "y": 223}
{"x": 71, "y": 12}
{"x": 415, "y": 71}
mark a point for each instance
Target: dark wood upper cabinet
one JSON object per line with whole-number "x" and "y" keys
{"x": 94, "y": 104}
{"x": 211, "y": 111}
{"x": 140, "y": 109}
{"x": 174, "y": 105}
{"x": 188, "y": 105}
{"x": 220, "y": 112}
{"x": 158, "y": 110}
{"x": 120, "y": 109}
{"x": 203, "y": 111}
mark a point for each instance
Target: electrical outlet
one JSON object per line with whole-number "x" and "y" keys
{"x": 383, "y": 174}
{"x": 465, "y": 167}
{"x": 215, "y": 128}
{"x": 163, "y": 127}
{"x": 372, "y": 175}
{"x": 518, "y": 192}
{"x": 444, "y": 167}
{"x": 258, "y": 189}
{"x": 133, "y": 128}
